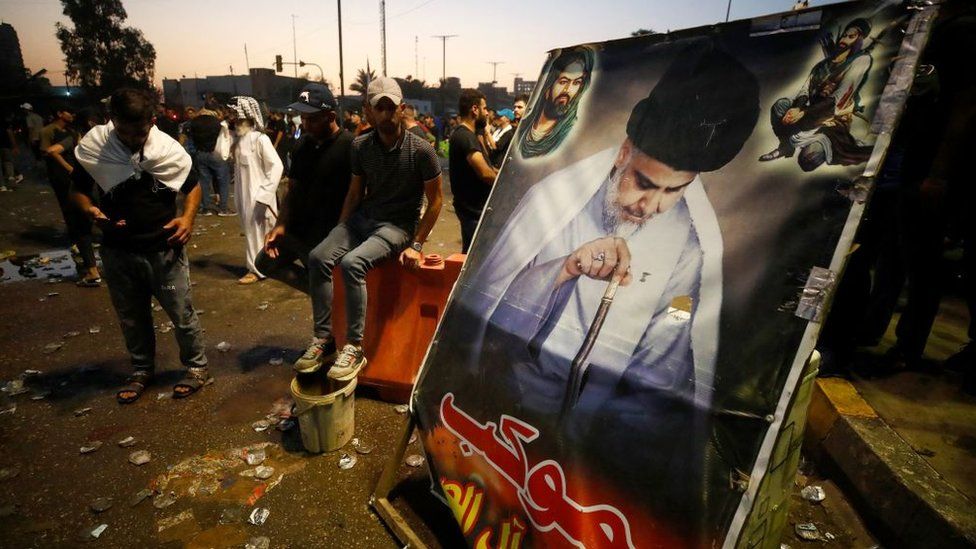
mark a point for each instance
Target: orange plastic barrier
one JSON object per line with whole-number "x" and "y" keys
{"x": 402, "y": 310}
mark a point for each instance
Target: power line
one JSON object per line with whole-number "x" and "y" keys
{"x": 494, "y": 70}
{"x": 444, "y": 38}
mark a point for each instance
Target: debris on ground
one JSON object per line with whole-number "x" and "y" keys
{"x": 164, "y": 500}
{"x": 260, "y": 542}
{"x": 140, "y": 457}
{"x": 40, "y": 394}
{"x": 276, "y": 361}
{"x": 94, "y": 330}
{"x": 177, "y": 527}
{"x": 263, "y": 472}
{"x": 255, "y": 457}
{"x": 813, "y": 494}
{"x": 101, "y": 505}
{"x": 232, "y": 515}
{"x": 401, "y": 408}
{"x": 97, "y": 531}
{"x": 90, "y": 447}
{"x": 53, "y": 347}
{"x": 808, "y": 531}
{"x": 30, "y": 373}
{"x": 139, "y": 497}
{"x": 8, "y": 408}
{"x": 8, "y": 473}
{"x": 162, "y": 396}
{"x": 223, "y": 346}
{"x": 261, "y": 425}
{"x": 413, "y": 438}
{"x": 263, "y": 306}
{"x": 347, "y": 461}
{"x": 414, "y": 460}
{"x": 127, "y": 442}
{"x": 361, "y": 447}
{"x": 15, "y": 387}
{"x": 72, "y": 333}
{"x": 258, "y": 516}
{"x": 82, "y": 412}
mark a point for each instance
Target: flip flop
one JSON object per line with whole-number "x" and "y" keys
{"x": 89, "y": 282}
{"x": 194, "y": 380}
{"x": 136, "y": 384}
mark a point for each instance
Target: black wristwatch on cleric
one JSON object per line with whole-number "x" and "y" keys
{"x": 417, "y": 246}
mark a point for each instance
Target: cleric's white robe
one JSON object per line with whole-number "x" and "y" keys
{"x": 257, "y": 170}
{"x": 675, "y": 254}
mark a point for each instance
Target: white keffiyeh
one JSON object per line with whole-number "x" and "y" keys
{"x": 110, "y": 162}
{"x": 248, "y": 107}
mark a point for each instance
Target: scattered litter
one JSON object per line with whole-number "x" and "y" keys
{"x": 276, "y": 361}
{"x": 282, "y": 407}
{"x": 53, "y": 294}
{"x": 163, "y": 500}
{"x": 829, "y": 536}
{"x": 8, "y": 408}
{"x": 263, "y": 306}
{"x": 53, "y": 347}
{"x": 401, "y": 408}
{"x": 157, "y": 308}
{"x": 8, "y": 473}
{"x": 287, "y": 424}
{"x": 258, "y": 516}
{"x": 808, "y": 531}
{"x": 94, "y": 330}
{"x": 249, "y": 473}
{"x": 98, "y": 530}
{"x": 82, "y": 412}
{"x": 255, "y": 457}
{"x": 164, "y": 329}
{"x": 347, "y": 461}
{"x": 415, "y": 460}
{"x": 139, "y": 457}
{"x": 813, "y": 494}
{"x": 30, "y": 373}
{"x": 91, "y": 447}
{"x": 361, "y": 447}
{"x": 413, "y": 438}
{"x": 161, "y": 396}
{"x": 15, "y": 387}
{"x": 101, "y": 505}
{"x": 261, "y": 425}
{"x": 169, "y": 522}
{"x": 260, "y": 542}
{"x": 140, "y": 496}
{"x": 72, "y": 333}
{"x": 232, "y": 515}
{"x": 199, "y": 311}
{"x": 40, "y": 395}
{"x": 223, "y": 346}
{"x": 263, "y": 472}
{"x": 127, "y": 442}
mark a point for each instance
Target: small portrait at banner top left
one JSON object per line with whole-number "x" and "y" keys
{"x": 551, "y": 118}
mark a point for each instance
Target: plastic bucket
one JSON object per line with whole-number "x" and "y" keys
{"x": 326, "y": 419}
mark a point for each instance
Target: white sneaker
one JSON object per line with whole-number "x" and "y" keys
{"x": 348, "y": 364}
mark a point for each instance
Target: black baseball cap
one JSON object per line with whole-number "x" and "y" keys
{"x": 314, "y": 98}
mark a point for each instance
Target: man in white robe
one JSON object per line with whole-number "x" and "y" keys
{"x": 257, "y": 171}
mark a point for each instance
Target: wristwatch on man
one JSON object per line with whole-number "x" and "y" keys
{"x": 417, "y": 246}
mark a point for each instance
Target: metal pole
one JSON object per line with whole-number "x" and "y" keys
{"x": 247, "y": 62}
{"x": 294, "y": 45}
{"x": 342, "y": 80}
{"x": 383, "y": 33}
{"x": 728, "y": 10}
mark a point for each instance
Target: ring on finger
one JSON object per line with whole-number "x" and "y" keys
{"x": 602, "y": 256}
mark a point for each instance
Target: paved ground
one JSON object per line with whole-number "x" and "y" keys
{"x": 315, "y": 503}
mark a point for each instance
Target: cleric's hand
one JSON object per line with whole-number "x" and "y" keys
{"x": 601, "y": 259}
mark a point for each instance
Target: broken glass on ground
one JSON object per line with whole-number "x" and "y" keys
{"x": 347, "y": 461}
{"x": 139, "y": 457}
{"x": 813, "y": 494}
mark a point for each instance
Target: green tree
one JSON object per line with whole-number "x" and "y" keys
{"x": 642, "y": 32}
{"x": 363, "y": 78}
{"x": 415, "y": 89}
{"x": 100, "y": 53}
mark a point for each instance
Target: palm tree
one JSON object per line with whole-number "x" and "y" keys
{"x": 363, "y": 78}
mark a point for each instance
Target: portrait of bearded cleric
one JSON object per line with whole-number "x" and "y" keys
{"x": 552, "y": 116}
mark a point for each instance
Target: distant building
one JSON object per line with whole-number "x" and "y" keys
{"x": 497, "y": 98}
{"x": 423, "y": 106}
{"x": 524, "y": 86}
{"x": 13, "y": 75}
{"x": 262, "y": 84}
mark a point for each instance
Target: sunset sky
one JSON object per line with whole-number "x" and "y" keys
{"x": 208, "y": 37}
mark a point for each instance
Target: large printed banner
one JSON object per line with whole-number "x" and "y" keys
{"x": 618, "y": 351}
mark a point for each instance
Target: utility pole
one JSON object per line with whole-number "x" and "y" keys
{"x": 294, "y": 45}
{"x": 494, "y": 70}
{"x": 728, "y": 10}
{"x": 247, "y": 62}
{"x": 383, "y": 34}
{"x": 416, "y": 65}
{"x": 342, "y": 80}
{"x": 444, "y": 38}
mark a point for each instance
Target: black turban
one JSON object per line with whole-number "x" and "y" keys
{"x": 700, "y": 113}
{"x": 862, "y": 25}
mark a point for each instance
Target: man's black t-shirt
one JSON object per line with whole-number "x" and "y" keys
{"x": 319, "y": 175}
{"x": 205, "y": 129}
{"x": 144, "y": 204}
{"x": 168, "y": 126}
{"x": 501, "y": 148}
{"x": 470, "y": 192}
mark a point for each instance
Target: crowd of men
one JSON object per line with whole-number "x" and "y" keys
{"x": 363, "y": 185}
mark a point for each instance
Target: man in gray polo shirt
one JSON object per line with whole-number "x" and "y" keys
{"x": 392, "y": 170}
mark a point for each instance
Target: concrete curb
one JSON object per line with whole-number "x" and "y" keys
{"x": 903, "y": 492}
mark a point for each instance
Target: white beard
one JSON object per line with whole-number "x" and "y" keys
{"x": 613, "y": 222}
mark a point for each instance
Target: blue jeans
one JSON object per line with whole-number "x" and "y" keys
{"x": 133, "y": 280}
{"x": 356, "y": 246}
{"x": 210, "y": 166}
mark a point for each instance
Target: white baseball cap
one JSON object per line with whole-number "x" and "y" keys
{"x": 383, "y": 86}
{"x": 27, "y": 106}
